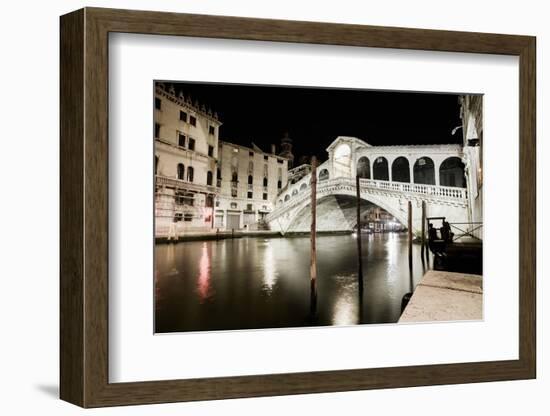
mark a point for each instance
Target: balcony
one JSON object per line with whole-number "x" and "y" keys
{"x": 181, "y": 184}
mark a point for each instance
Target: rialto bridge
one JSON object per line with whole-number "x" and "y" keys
{"x": 390, "y": 177}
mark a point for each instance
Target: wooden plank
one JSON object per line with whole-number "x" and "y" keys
{"x": 71, "y": 218}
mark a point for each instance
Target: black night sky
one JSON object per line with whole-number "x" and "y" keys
{"x": 314, "y": 117}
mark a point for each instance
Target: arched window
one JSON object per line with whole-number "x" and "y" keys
{"x": 303, "y": 186}
{"x": 181, "y": 171}
{"x": 400, "y": 170}
{"x": 209, "y": 178}
{"x": 287, "y": 197}
{"x": 323, "y": 175}
{"x": 424, "y": 171}
{"x": 380, "y": 169}
{"x": 363, "y": 167}
{"x": 265, "y": 181}
{"x": 451, "y": 173}
{"x": 250, "y": 179}
{"x": 190, "y": 173}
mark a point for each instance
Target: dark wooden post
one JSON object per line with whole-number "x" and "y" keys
{"x": 410, "y": 235}
{"x": 423, "y": 239}
{"x": 359, "y": 250}
{"x": 313, "y": 260}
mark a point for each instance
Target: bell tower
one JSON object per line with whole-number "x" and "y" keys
{"x": 286, "y": 149}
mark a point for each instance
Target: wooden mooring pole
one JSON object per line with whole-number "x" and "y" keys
{"x": 359, "y": 249}
{"x": 409, "y": 224}
{"x": 423, "y": 238}
{"x": 313, "y": 260}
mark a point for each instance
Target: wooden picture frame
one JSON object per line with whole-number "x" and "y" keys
{"x": 84, "y": 207}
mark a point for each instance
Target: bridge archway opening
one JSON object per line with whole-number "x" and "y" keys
{"x": 287, "y": 197}
{"x": 380, "y": 169}
{"x": 323, "y": 175}
{"x": 337, "y": 213}
{"x": 363, "y": 167}
{"x": 424, "y": 171}
{"x": 342, "y": 161}
{"x": 303, "y": 186}
{"x": 451, "y": 173}
{"x": 400, "y": 170}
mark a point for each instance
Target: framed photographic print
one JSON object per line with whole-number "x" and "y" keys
{"x": 257, "y": 207}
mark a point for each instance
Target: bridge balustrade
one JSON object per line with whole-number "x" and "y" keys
{"x": 298, "y": 196}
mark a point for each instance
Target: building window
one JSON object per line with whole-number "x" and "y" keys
{"x": 250, "y": 179}
{"x": 265, "y": 181}
{"x": 188, "y": 217}
{"x": 181, "y": 140}
{"x": 181, "y": 171}
{"x": 183, "y": 116}
{"x": 158, "y": 103}
{"x": 178, "y": 217}
{"x": 192, "y": 121}
{"x": 190, "y": 173}
{"x": 249, "y": 207}
{"x": 249, "y": 195}
{"x": 234, "y": 177}
{"x": 266, "y": 157}
{"x": 156, "y": 164}
{"x": 218, "y": 178}
{"x": 265, "y": 196}
{"x": 279, "y": 184}
{"x": 191, "y": 144}
{"x": 209, "y": 201}
{"x": 157, "y": 130}
{"x": 217, "y": 203}
{"x": 279, "y": 160}
{"x": 211, "y": 130}
{"x": 234, "y": 193}
{"x": 210, "y": 151}
{"x": 209, "y": 178}
{"x": 233, "y": 205}
{"x": 251, "y": 154}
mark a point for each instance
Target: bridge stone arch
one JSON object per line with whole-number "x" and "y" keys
{"x": 363, "y": 167}
{"x": 381, "y": 169}
{"x": 424, "y": 171}
{"x": 401, "y": 170}
{"x": 338, "y": 212}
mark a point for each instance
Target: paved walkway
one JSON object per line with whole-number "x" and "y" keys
{"x": 446, "y": 296}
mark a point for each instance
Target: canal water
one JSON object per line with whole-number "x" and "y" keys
{"x": 251, "y": 283}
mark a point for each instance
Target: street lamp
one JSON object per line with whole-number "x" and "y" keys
{"x": 453, "y": 131}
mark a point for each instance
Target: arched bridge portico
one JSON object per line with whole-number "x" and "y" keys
{"x": 390, "y": 177}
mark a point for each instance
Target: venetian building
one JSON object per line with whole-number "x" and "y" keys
{"x": 249, "y": 180}
{"x": 186, "y": 152}
{"x": 472, "y": 129}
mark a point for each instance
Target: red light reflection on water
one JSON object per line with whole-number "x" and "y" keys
{"x": 203, "y": 283}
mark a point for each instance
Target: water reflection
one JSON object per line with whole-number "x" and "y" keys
{"x": 270, "y": 270}
{"x": 203, "y": 281}
{"x": 264, "y": 283}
